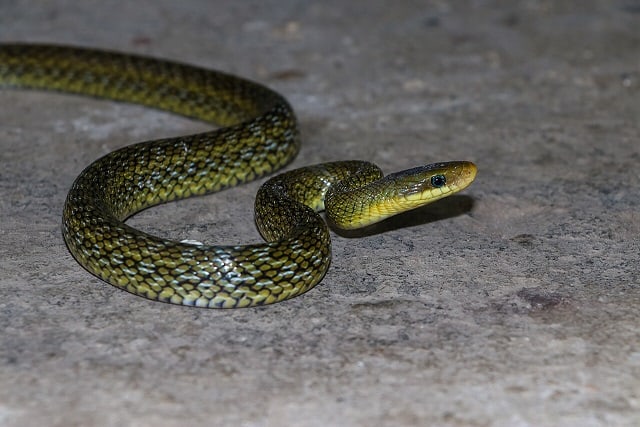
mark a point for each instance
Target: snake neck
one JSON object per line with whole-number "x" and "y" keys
{"x": 297, "y": 195}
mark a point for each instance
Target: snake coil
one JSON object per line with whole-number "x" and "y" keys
{"x": 259, "y": 135}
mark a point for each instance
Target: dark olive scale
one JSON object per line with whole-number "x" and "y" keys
{"x": 261, "y": 136}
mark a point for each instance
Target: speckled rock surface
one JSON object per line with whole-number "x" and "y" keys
{"x": 515, "y": 304}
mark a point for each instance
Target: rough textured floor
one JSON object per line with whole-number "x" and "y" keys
{"x": 515, "y": 304}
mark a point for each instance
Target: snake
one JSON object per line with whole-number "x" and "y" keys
{"x": 254, "y": 133}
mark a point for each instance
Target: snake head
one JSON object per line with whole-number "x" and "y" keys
{"x": 426, "y": 184}
{"x": 357, "y": 207}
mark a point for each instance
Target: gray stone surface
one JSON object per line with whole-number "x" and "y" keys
{"x": 514, "y": 304}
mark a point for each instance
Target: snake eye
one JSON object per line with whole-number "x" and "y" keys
{"x": 438, "y": 181}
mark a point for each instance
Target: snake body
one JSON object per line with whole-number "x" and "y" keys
{"x": 259, "y": 135}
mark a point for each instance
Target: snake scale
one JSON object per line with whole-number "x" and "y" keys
{"x": 258, "y": 135}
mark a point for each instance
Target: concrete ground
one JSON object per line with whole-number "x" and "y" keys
{"x": 516, "y": 303}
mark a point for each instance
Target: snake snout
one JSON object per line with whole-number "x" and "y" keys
{"x": 465, "y": 174}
